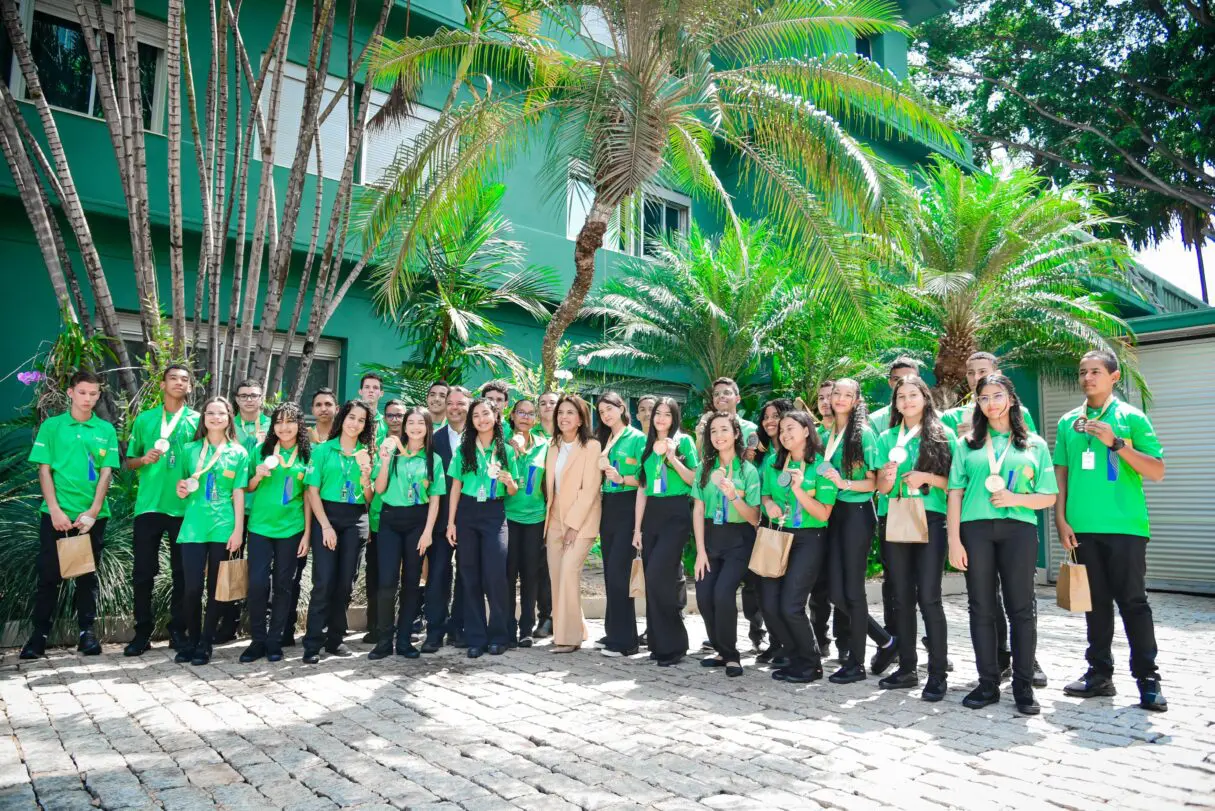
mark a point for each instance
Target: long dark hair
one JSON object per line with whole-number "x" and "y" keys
{"x": 854, "y": 431}
{"x": 468, "y": 441}
{"x": 935, "y": 453}
{"x": 584, "y": 416}
{"x": 783, "y": 406}
{"x": 201, "y": 431}
{"x": 711, "y": 456}
{"x": 367, "y": 435}
{"x": 288, "y": 412}
{"x": 603, "y": 433}
{"x": 1016, "y": 420}
{"x": 814, "y": 445}
{"x": 651, "y": 436}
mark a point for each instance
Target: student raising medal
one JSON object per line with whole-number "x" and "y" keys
{"x": 163, "y": 445}
{"x": 271, "y": 461}
{"x": 785, "y": 478}
{"x": 898, "y": 454}
{"x": 660, "y": 447}
{"x": 719, "y": 478}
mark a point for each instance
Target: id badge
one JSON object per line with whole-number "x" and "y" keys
{"x": 481, "y": 494}
{"x": 172, "y": 459}
{"x": 347, "y": 492}
{"x": 719, "y": 517}
{"x": 1088, "y": 460}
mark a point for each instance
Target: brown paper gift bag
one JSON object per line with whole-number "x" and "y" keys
{"x": 906, "y": 521}
{"x": 1071, "y": 589}
{"x": 770, "y": 555}
{"x": 233, "y": 581}
{"x": 75, "y": 556}
{"x": 637, "y": 579}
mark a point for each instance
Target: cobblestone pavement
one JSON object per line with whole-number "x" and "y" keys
{"x": 536, "y": 731}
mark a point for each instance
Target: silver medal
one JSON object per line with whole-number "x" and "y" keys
{"x": 162, "y": 445}
{"x": 824, "y": 468}
{"x": 271, "y": 461}
{"x": 660, "y": 447}
{"x": 191, "y": 485}
{"x": 784, "y": 479}
{"x": 994, "y": 483}
{"x": 898, "y": 454}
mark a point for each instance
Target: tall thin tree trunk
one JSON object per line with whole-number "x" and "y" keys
{"x": 177, "y": 269}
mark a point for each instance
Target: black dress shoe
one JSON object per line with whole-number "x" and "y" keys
{"x": 254, "y": 652}
{"x": 407, "y": 651}
{"x": 713, "y": 661}
{"x": 986, "y": 694}
{"x": 1023, "y": 697}
{"x": 900, "y": 680}
{"x": 202, "y": 655}
{"x": 336, "y": 649}
{"x": 1039, "y": 677}
{"x": 734, "y": 670}
{"x": 935, "y": 689}
{"x": 1091, "y": 685}
{"x": 137, "y": 646}
{"x": 601, "y": 641}
{"x": 184, "y": 654}
{"x": 35, "y": 648}
{"x": 1151, "y": 697}
{"x": 884, "y": 657}
{"x": 311, "y": 657}
{"x": 671, "y": 660}
{"x": 456, "y": 641}
{"x": 772, "y": 653}
{"x": 802, "y": 675}
{"x": 380, "y": 651}
{"x": 432, "y": 645}
{"x": 274, "y": 654}
{"x": 370, "y": 638}
{"x": 525, "y": 642}
{"x": 88, "y": 644}
{"x": 474, "y": 652}
{"x": 496, "y": 649}
{"x": 848, "y": 674}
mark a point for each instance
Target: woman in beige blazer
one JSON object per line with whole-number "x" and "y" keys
{"x": 572, "y": 480}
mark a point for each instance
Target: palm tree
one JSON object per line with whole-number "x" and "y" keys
{"x": 716, "y": 305}
{"x": 683, "y": 90}
{"x": 1000, "y": 261}
{"x": 464, "y": 271}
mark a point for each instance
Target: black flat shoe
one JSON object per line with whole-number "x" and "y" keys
{"x": 496, "y": 649}
{"x": 252, "y": 653}
{"x": 202, "y": 655}
{"x": 884, "y": 657}
{"x": 734, "y": 670}
{"x": 1023, "y": 697}
{"x": 803, "y": 675}
{"x": 137, "y": 646}
{"x": 88, "y": 644}
{"x": 935, "y": 689}
{"x": 848, "y": 674}
{"x": 184, "y": 654}
{"x": 274, "y": 654}
{"x": 474, "y": 652}
{"x": 432, "y": 645}
{"x": 1151, "y": 697}
{"x": 380, "y": 652}
{"x": 370, "y": 638}
{"x": 982, "y": 696}
{"x": 1040, "y": 679}
{"x": 1091, "y": 685}
{"x": 409, "y": 652}
{"x": 312, "y": 657}
{"x": 526, "y": 642}
{"x": 713, "y": 661}
{"x": 900, "y": 680}
{"x": 35, "y": 648}
{"x": 670, "y": 661}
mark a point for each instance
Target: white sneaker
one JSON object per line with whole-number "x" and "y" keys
{"x": 615, "y": 654}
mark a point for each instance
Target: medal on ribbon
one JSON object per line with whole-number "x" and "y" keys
{"x": 995, "y": 481}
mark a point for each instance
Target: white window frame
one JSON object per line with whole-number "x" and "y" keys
{"x": 333, "y": 163}
{"x": 327, "y": 349}
{"x": 147, "y": 31}
{"x": 578, "y": 188}
{"x": 417, "y": 113}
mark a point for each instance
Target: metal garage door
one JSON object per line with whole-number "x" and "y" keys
{"x": 1181, "y": 555}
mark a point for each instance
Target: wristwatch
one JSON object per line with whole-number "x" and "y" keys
{"x": 1119, "y": 444}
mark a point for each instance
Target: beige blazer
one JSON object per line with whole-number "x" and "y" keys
{"x": 578, "y": 503}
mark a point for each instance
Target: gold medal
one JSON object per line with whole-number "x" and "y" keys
{"x": 660, "y": 447}
{"x": 718, "y": 477}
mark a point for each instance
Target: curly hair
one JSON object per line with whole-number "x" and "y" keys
{"x": 367, "y": 435}
{"x": 468, "y": 441}
{"x": 1016, "y": 420}
{"x": 710, "y": 453}
{"x": 288, "y": 412}
{"x": 935, "y": 453}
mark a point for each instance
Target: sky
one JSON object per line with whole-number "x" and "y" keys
{"x": 1171, "y": 261}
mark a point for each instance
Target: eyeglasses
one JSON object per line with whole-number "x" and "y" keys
{"x": 394, "y": 417}
{"x": 247, "y": 396}
{"x": 528, "y": 415}
{"x": 997, "y": 398}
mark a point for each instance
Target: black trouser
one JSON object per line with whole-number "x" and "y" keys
{"x": 728, "y": 547}
{"x": 1001, "y": 554}
{"x": 47, "y": 593}
{"x": 439, "y": 583}
{"x": 333, "y": 572}
{"x": 849, "y": 535}
{"x": 272, "y": 568}
{"x": 665, "y": 528}
{"x": 889, "y": 620}
{"x": 396, "y": 548}
{"x": 750, "y": 606}
{"x": 148, "y": 531}
{"x": 822, "y": 617}
{"x": 371, "y": 578}
{"x": 525, "y": 550}
{"x": 1117, "y": 567}
{"x": 293, "y": 605}
{"x": 784, "y": 598}
{"x": 616, "y": 541}
{"x": 481, "y": 555}
{"x": 199, "y": 561}
{"x": 914, "y": 571}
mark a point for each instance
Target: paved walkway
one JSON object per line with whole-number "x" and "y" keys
{"x": 532, "y": 730}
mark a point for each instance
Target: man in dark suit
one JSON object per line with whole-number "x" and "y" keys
{"x": 441, "y": 555}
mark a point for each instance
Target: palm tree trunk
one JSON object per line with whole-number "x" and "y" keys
{"x": 590, "y": 240}
{"x": 177, "y": 269}
{"x": 950, "y": 366}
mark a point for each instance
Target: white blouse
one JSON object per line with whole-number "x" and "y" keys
{"x": 564, "y": 449}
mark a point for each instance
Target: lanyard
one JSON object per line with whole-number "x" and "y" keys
{"x": 1100, "y": 416}
{"x": 833, "y": 443}
{"x": 906, "y": 436}
{"x": 994, "y": 465}
{"x": 166, "y": 427}
{"x": 203, "y": 464}
{"x": 286, "y": 463}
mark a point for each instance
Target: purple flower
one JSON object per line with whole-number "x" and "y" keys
{"x": 30, "y": 378}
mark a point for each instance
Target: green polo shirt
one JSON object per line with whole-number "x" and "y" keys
{"x": 158, "y": 481}
{"x": 476, "y": 483}
{"x": 336, "y": 475}
{"x": 660, "y": 478}
{"x": 526, "y": 506}
{"x": 76, "y": 453}
{"x": 935, "y": 501}
{"x": 381, "y": 428}
{"x": 879, "y": 420}
{"x": 210, "y": 516}
{"x": 813, "y": 483}
{"x": 276, "y": 507}
{"x": 1109, "y": 498}
{"x": 959, "y": 419}
{"x": 625, "y": 456}
{"x": 716, "y": 507}
{"x": 1024, "y": 471}
{"x": 538, "y": 430}
{"x": 748, "y": 428}
{"x": 411, "y": 481}
{"x": 869, "y": 462}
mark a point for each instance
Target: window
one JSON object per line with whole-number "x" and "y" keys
{"x": 381, "y": 144}
{"x": 325, "y": 364}
{"x": 662, "y": 213}
{"x": 65, "y": 72}
{"x": 333, "y": 132}
{"x": 864, "y": 47}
